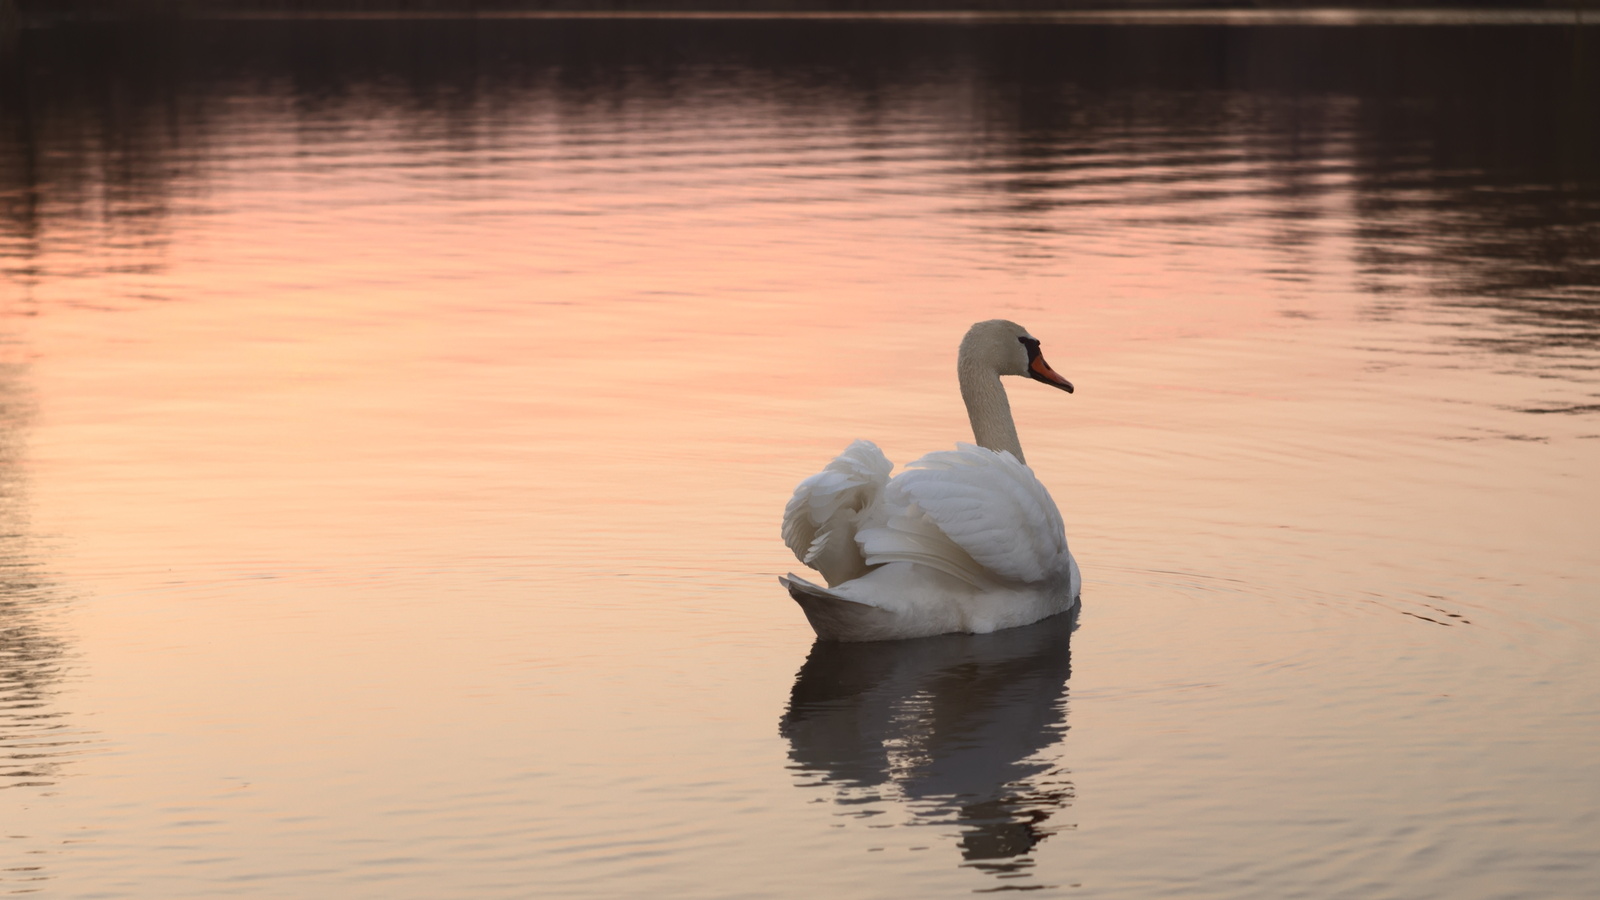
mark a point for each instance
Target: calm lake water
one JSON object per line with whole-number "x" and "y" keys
{"x": 396, "y": 420}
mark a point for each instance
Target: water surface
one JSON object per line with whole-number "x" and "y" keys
{"x": 396, "y": 418}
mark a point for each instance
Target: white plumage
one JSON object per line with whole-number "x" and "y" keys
{"x": 961, "y": 540}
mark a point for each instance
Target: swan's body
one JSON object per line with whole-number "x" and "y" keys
{"x": 962, "y": 540}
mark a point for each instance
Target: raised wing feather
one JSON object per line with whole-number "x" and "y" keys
{"x": 973, "y": 513}
{"x": 822, "y": 517}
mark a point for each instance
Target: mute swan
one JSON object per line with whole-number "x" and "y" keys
{"x": 962, "y": 540}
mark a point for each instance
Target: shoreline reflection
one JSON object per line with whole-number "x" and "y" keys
{"x": 953, "y": 728}
{"x": 1462, "y": 176}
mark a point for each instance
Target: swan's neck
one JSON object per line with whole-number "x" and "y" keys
{"x": 987, "y": 407}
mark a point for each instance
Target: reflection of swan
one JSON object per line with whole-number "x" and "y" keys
{"x": 952, "y": 725}
{"x": 964, "y": 540}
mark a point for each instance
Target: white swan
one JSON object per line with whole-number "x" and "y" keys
{"x": 962, "y": 540}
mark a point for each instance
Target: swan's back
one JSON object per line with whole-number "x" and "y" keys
{"x": 974, "y": 513}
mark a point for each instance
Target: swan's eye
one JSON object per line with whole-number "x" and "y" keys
{"x": 1033, "y": 346}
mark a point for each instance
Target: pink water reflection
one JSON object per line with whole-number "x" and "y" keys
{"x": 410, "y": 498}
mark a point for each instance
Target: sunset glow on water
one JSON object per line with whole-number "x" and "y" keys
{"x": 396, "y": 420}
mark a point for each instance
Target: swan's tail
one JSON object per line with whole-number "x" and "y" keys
{"x": 834, "y": 617}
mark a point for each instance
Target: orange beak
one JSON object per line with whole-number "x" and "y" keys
{"x": 1039, "y": 370}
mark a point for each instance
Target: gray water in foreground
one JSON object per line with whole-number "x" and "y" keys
{"x": 396, "y": 419}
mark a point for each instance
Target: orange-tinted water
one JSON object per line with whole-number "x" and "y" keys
{"x": 398, "y": 416}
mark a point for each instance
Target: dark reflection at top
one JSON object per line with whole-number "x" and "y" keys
{"x": 953, "y": 728}
{"x": 1468, "y": 156}
{"x": 1491, "y": 191}
{"x": 88, "y": 155}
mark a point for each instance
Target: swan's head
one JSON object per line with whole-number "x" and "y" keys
{"x": 1009, "y": 349}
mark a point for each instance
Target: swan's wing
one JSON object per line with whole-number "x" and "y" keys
{"x": 975, "y": 514}
{"x": 820, "y": 522}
